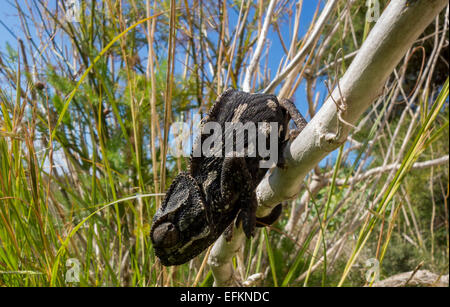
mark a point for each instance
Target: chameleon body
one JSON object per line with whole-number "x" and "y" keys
{"x": 202, "y": 202}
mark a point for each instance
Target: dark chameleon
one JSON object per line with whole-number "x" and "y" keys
{"x": 202, "y": 202}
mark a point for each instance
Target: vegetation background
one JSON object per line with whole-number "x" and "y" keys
{"x": 86, "y": 107}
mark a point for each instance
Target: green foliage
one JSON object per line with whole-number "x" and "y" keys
{"x": 81, "y": 185}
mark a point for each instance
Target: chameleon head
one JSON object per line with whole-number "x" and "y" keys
{"x": 180, "y": 230}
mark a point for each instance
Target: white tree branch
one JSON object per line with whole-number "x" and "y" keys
{"x": 419, "y": 278}
{"x": 396, "y": 166}
{"x": 319, "y": 182}
{"x": 259, "y": 47}
{"x": 394, "y": 33}
{"x": 302, "y": 53}
{"x": 220, "y": 258}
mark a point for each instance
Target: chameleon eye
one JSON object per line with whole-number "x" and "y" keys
{"x": 165, "y": 235}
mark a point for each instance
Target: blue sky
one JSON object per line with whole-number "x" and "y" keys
{"x": 8, "y": 16}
